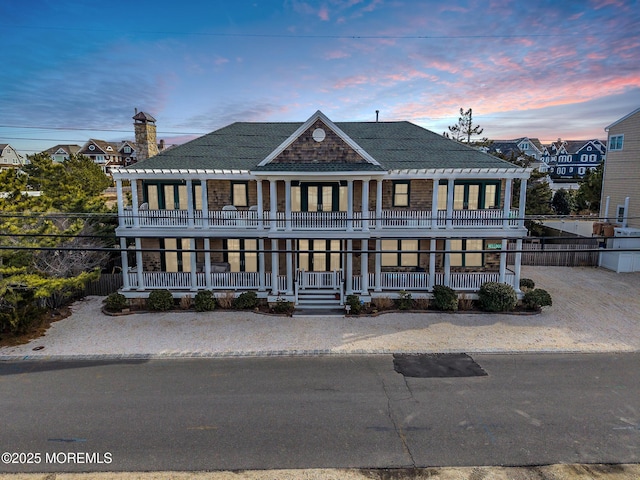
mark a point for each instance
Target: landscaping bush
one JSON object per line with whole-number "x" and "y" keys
{"x": 404, "y": 300}
{"x": 160, "y": 300}
{"x": 527, "y": 284}
{"x": 464, "y": 302}
{"x": 497, "y": 297}
{"x": 246, "y": 300}
{"x": 115, "y": 302}
{"x": 283, "y": 306}
{"x": 354, "y": 302}
{"x": 382, "y": 303}
{"x": 226, "y": 299}
{"x": 422, "y": 303}
{"x": 536, "y": 299}
{"x": 185, "y": 302}
{"x": 445, "y": 298}
{"x": 204, "y": 301}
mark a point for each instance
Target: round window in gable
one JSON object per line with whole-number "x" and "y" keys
{"x": 319, "y": 135}
{"x": 92, "y": 147}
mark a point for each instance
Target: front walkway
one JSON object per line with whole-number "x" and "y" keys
{"x": 595, "y": 310}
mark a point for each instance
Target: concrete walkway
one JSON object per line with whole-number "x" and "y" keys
{"x": 594, "y": 310}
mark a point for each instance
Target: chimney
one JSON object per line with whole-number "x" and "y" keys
{"x": 377, "y": 113}
{"x": 161, "y": 147}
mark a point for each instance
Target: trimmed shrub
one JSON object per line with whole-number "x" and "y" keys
{"x": 115, "y": 302}
{"x": 160, "y": 300}
{"x": 497, "y": 297}
{"x": 283, "y": 306}
{"x": 527, "y": 284}
{"x": 404, "y": 300}
{"x": 204, "y": 301}
{"x": 246, "y": 300}
{"x": 354, "y": 302}
{"x": 445, "y": 298}
{"x": 536, "y": 299}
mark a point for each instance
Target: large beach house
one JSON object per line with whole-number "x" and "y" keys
{"x": 317, "y": 210}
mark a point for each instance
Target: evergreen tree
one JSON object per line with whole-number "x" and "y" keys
{"x": 590, "y": 190}
{"x": 464, "y": 129}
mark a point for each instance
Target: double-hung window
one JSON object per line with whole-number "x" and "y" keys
{"x": 399, "y": 253}
{"x": 616, "y": 142}
{"x": 465, "y": 256}
{"x": 401, "y": 194}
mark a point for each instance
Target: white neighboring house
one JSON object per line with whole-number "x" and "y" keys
{"x": 620, "y": 203}
{"x": 10, "y": 158}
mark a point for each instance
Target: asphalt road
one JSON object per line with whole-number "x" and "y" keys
{"x": 316, "y": 412}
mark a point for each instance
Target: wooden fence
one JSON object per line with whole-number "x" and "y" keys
{"x": 552, "y": 254}
{"x": 106, "y": 284}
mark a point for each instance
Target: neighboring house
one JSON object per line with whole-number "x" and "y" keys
{"x": 9, "y": 157}
{"x": 525, "y": 148}
{"x": 620, "y": 203}
{"x": 102, "y": 153}
{"x": 570, "y": 160}
{"x": 310, "y": 212}
{"x": 60, "y": 153}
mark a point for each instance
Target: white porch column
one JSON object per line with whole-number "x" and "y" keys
{"x": 365, "y": 205}
{"x": 287, "y": 205}
{"x": 349, "y": 205}
{"x": 450, "y": 197}
{"x": 506, "y": 213}
{"x": 522, "y": 206}
{"x": 289, "y": 268}
{"x": 261, "y": 266}
{"x": 135, "y": 207}
{"x": 273, "y": 201}
{"x": 194, "y": 264}
{"x": 349, "y": 267}
{"x": 207, "y": 262}
{"x": 432, "y": 263}
{"x": 378, "y": 266}
{"x": 260, "y": 203}
{"x": 447, "y": 262}
{"x": 378, "y": 203}
{"x": 434, "y": 203}
{"x": 517, "y": 262}
{"x": 120, "y": 201}
{"x": 204, "y": 193}
{"x": 503, "y": 261}
{"x": 274, "y": 266}
{"x": 139, "y": 264}
{"x": 364, "y": 266}
{"x": 190, "y": 209}
{"x": 125, "y": 263}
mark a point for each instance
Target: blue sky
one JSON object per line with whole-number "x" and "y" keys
{"x": 76, "y": 69}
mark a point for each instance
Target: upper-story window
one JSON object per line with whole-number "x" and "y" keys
{"x": 127, "y": 149}
{"x": 616, "y": 142}
{"x": 400, "y": 194}
{"x": 240, "y": 194}
{"x": 524, "y": 146}
{"x": 170, "y": 196}
{"x": 470, "y": 195}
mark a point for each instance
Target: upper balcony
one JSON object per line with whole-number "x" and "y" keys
{"x": 250, "y": 220}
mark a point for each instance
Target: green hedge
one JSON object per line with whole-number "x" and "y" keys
{"x": 445, "y": 298}
{"x": 497, "y": 297}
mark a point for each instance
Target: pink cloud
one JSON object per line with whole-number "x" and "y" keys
{"x": 336, "y": 55}
{"x": 323, "y": 13}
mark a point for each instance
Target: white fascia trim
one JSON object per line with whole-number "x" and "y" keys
{"x": 462, "y": 173}
{"x": 140, "y": 173}
{"x": 305, "y": 175}
{"x": 318, "y": 116}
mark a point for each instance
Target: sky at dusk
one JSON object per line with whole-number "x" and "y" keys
{"x": 76, "y": 69}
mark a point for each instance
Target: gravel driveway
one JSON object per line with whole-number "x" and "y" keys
{"x": 594, "y": 310}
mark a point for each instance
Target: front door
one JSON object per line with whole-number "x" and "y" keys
{"x": 319, "y": 255}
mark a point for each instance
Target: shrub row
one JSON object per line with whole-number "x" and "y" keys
{"x": 204, "y": 301}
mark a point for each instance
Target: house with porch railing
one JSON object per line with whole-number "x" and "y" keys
{"x": 313, "y": 211}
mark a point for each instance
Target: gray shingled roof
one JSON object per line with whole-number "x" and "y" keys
{"x": 395, "y": 145}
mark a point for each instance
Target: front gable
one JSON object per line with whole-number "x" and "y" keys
{"x": 321, "y": 143}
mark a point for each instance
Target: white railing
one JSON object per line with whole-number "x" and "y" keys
{"x": 308, "y": 280}
{"x": 402, "y": 280}
{"x": 473, "y": 281}
{"x": 389, "y": 219}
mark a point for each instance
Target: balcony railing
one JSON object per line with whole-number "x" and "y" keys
{"x": 297, "y": 221}
{"x": 390, "y": 281}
